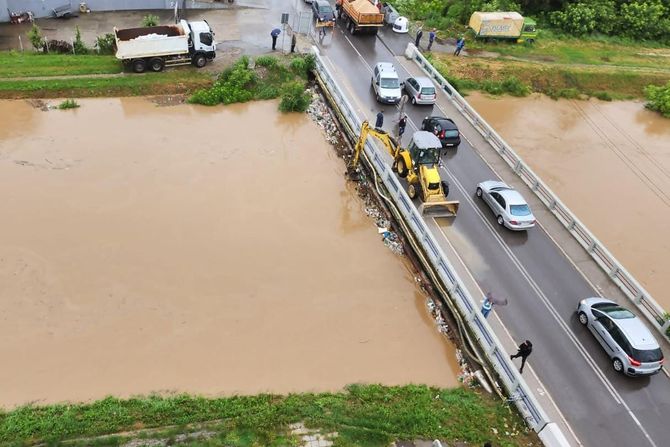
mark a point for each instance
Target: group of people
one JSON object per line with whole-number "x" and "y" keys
{"x": 460, "y": 42}
{"x": 275, "y": 34}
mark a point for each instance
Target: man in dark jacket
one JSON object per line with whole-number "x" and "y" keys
{"x": 524, "y": 351}
{"x": 294, "y": 41}
{"x": 274, "y": 34}
{"x": 380, "y": 120}
{"x": 402, "y": 123}
{"x": 431, "y": 38}
{"x": 419, "y": 35}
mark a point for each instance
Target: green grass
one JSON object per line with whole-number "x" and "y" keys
{"x": 371, "y": 415}
{"x": 173, "y": 81}
{"x": 29, "y": 64}
{"x": 68, "y": 104}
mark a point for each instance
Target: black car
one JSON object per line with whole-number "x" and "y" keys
{"x": 444, "y": 128}
{"x": 322, "y": 10}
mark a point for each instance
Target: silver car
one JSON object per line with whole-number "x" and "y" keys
{"x": 420, "y": 90}
{"x": 507, "y": 204}
{"x": 627, "y": 341}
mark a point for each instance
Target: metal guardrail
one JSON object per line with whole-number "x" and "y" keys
{"x": 496, "y": 356}
{"x": 596, "y": 249}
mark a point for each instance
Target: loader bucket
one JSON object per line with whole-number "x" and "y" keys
{"x": 445, "y": 208}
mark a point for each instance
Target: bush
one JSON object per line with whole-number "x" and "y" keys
{"x": 68, "y": 104}
{"x": 79, "y": 45}
{"x": 234, "y": 85}
{"x": 513, "y": 86}
{"x": 105, "y": 44}
{"x": 303, "y": 65}
{"x": 266, "y": 61}
{"x": 35, "y": 37}
{"x": 294, "y": 98}
{"x": 150, "y": 20}
{"x": 603, "y": 96}
{"x": 57, "y": 46}
{"x": 658, "y": 98}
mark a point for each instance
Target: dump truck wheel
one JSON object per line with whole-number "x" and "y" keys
{"x": 445, "y": 188}
{"x": 139, "y": 65}
{"x": 157, "y": 64}
{"x": 402, "y": 168}
{"x": 199, "y": 60}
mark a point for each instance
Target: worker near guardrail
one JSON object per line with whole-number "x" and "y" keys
{"x": 419, "y": 35}
{"x": 523, "y": 351}
{"x": 401, "y": 125}
{"x": 487, "y": 306}
{"x": 431, "y": 38}
{"x": 380, "y": 120}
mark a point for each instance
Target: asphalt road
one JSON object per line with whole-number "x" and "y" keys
{"x": 542, "y": 285}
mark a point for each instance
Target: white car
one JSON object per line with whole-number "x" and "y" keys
{"x": 509, "y": 207}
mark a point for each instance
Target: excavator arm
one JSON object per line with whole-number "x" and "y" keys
{"x": 389, "y": 143}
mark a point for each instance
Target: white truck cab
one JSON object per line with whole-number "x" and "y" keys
{"x": 386, "y": 83}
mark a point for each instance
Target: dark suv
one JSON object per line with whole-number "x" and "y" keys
{"x": 444, "y": 128}
{"x": 322, "y": 10}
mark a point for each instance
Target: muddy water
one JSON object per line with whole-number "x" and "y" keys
{"x": 147, "y": 248}
{"x": 609, "y": 162}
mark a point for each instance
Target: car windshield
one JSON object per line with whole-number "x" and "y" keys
{"x": 647, "y": 355}
{"x": 425, "y": 156}
{"x": 428, "y": 91}
{"x": 617, "y": 312}
{"x": 519, "y": 210}
{"x": 324, "y": 8}
{"x": 389, "y": 83}
{"x": 451, "y": 133}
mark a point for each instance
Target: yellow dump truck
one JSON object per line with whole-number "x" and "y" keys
{"x": 503, "y": 26}
{"x": 361, "y": 16}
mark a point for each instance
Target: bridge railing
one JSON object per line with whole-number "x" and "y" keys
{"x": 637, "y": 294}
{"x": 466, "y": 306}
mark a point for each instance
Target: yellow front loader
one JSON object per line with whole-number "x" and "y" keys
{"x": 419, "y": 165}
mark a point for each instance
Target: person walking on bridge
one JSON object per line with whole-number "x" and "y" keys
{"x": 380, "y": 120}
{"x": 401, "y": 125}
{"x": 523, "y": 351}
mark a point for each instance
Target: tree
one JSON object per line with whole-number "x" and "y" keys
{"x": 79, "y": 45}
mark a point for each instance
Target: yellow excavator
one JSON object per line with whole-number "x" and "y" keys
{"x": 419, "y": 166}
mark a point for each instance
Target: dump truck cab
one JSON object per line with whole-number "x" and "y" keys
{"x": 529, "y": 31}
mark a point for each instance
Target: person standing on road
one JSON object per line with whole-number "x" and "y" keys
{"x": 380, "y": 120}
{"x": 523, "y": 351}
{"x": 401, "y": 125}
{"x": 460, "y": 43}
{"x": 419, "y": 35}
{"x": 274, "y": 34}
{"x": 487, "y": 305}
{"x": 294, "y": 41}
{"x": 431, "y": 38}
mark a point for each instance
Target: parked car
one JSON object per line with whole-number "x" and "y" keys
{"x": 420, "y": 90}
{"x": 322, "y": 11}
{"x": 627, "y": 341}
{"x": 444, "y": 128}
{"x": 509, "y": 207}
{"x": 385, "y": 83}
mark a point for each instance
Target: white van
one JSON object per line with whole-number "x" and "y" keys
{"x": 386, "y": 84}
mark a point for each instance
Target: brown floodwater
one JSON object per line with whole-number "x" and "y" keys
{"x": 206, "y": 250}
{"x": 609, "y": 162}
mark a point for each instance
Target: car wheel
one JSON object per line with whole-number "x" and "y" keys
{"x": 479, "y": 192}
{"x": 501, "y": 221}
{"x": 617, "y": 365}
{"x": 413, "y": 100}
{"x": 583, "y": 318}
{"x": 423, "y": 126}
{"x": 445, "y": 188}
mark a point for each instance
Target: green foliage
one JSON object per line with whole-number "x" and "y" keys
{"x": 513, "y": 86}
{"x": 35, "y": 37}
{"x": 658, "y": 98}
{"x": 105, "y": 44}
{"x": 603, "y": 96}
{"x": 294, "y": 98}
{"x": 68, "y": 104}
{"x": 150, "y": 20}
{"x": 362, "y": 414}
{"x": 645, "y": 20}
{"x": 266, "y": 61}
{"x": 79, "y": 45}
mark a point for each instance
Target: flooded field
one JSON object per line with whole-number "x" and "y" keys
{"x": 207, "y": 250}
{"x": 609, "y": 162}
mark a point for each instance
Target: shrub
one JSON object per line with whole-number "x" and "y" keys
{"x": 513, "y": 86}
{"x": 79, "y": 45}
{"x": 105, "y": 44}
{"x": 603, "y": 96}
{"x": 35, "y": 37}
{"x": 294, "y": 98}
{"x": 658, "y": 98}
{"x": 150, "y": 20}
{"x": 266, "y": 61}
{"x": 234, "y": 85}
{"x": 68, "y": 104}
{"x": 57, "y": 46}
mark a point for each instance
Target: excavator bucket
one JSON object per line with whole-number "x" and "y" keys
{"x": 444, "y": 208}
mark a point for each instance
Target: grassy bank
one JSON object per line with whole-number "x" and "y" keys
{"x": 365, "y": 415}
{"x": 29, "y": 64}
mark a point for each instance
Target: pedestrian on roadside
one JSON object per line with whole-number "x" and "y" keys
{"x": 274, "y": 34}
{"x": 294, "y": 41}
{"x": 460, "y": 43}
{"x": 380, "y": 120}
{"x": 523, "y": 351}
{"x": 431, "y": 38}
{"x": 401, "y": 125}
{"x": 419, "y": 35}
{"x": 338, "y": 6}
{"x": 487, "y": 305}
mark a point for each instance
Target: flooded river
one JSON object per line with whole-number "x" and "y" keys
{"x": 206, "y": 250}
{"x": 609, "y": 162}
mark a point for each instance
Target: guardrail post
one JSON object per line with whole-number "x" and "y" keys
{"x": 612, "y": 273}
